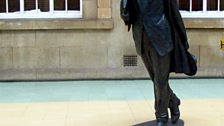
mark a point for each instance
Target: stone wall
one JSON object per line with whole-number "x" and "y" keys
{"x": 93, "y": 47}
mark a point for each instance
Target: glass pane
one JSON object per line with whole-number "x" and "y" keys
{"x": 43, "y": 5}
{"x": 2, "y": 6}
{"x": 212, "y": 5}
{"x": 30, "y": 4}
{"x": 184, "y": 5}
{"x": 73, "y": 4}
{"x": 59, "y": 4}
{"x": 221, "y": 4}
{"x": 14, "y": 5}
{"x": 197, "y": 5}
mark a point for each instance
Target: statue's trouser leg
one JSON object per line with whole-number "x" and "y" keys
{"x": 158, "y": 68}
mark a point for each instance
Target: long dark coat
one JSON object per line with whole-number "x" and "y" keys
{"x": 181, "y": 60}
{"x": 164, "y": 39}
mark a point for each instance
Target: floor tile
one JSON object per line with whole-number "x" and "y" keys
{"x": 107, "y": 103}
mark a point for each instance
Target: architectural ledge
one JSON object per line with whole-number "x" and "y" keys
{"x": 56, "y": 24}
{"x": 204, "y": 23}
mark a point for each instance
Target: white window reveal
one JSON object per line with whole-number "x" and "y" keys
{"x": 13, "y": 9}
{"x": 201, "y": 8}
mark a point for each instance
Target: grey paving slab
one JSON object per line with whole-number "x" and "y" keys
{"x": 102, "y": 90}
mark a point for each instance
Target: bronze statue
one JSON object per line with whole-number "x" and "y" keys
{"x": 161, "y": 40}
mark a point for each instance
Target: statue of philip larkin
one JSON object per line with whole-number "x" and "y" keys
{"x": 160, "y": 39}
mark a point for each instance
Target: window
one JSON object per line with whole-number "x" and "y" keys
{"x": 10, "y": 9}
{"x": 202, "y": 8}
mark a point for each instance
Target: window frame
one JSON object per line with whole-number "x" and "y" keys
{"x": 204, "y": 13}
{"x": 35, "y": 14}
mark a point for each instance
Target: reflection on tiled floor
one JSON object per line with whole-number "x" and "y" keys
{"x": 106, "y": 103}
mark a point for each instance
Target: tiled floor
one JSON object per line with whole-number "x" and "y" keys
{"x": 107, "y": 103}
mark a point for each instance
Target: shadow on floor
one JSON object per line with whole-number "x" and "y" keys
{"x": 153, "y": 123}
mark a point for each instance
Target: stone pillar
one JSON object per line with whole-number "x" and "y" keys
{"x": 104, "y": 9}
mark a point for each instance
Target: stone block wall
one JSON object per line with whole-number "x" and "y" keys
{"x": 93, "y": 47}
{"x": 205, "y": 44}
